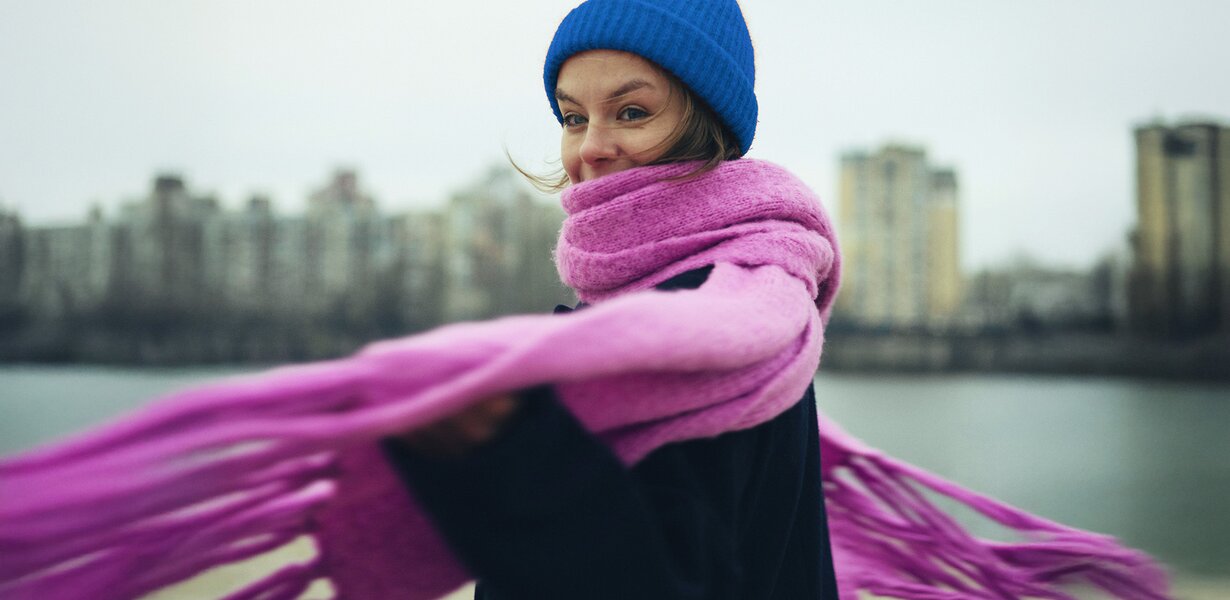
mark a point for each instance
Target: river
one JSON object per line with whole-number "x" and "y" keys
{"x": 1145, "y": 461}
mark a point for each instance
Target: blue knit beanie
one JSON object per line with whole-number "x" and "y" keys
{"x": 704, "y": 43}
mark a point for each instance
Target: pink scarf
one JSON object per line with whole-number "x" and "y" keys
{"x": 227, "y": 471}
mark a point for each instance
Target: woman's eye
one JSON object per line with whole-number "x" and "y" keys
{"x": 573, "y": 119}
{"x": 633, "y": 113}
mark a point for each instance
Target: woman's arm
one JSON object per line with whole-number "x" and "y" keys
{"x": 539, "y": 508}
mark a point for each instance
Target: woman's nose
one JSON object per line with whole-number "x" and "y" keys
{"x": 599, "y": 145}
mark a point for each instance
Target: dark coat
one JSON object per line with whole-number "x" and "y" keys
{"x": 546, "y": 511}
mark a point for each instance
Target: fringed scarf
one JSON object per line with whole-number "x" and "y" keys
{"x": 228, "y": 471}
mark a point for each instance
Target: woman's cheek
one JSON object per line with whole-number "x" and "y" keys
{"x": 571, "y": 160}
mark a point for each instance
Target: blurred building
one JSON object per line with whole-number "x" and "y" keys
{"x": 498, "y": 244}
{"x": 66, "y": 269}
{"x": 240, "y": 268}
{"x": 11, "y": 250}
{"x": 1027, "y": 296}
{"x": 172, "y": 277}
{"x": 157, "y": 251}
{"x": 349, "y": 248}
{"x": 418, "y": 273}
{"x": 1180, "y": 280}
{"x": 898, "y": 224}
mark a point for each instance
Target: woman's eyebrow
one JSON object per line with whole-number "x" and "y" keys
{"x": 623, "y": 90}
{"x": 628, "y": 88}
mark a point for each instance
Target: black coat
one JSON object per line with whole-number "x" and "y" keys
{"x": 544, "y": 510}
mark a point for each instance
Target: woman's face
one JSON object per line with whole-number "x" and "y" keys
{"x": 618, "y": 108}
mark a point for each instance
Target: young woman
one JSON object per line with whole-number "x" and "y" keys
{"x": 739, "y": 515}
{"x": 659, "y": 441}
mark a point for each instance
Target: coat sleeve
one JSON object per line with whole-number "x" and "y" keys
{"x": 545, "y": 510}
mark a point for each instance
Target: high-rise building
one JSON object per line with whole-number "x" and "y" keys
{"x": 498, "y": 244}
{"x": 418, "y": 272}
{"x": 1180, "y": 280}
{"x": 239, "y": 257}
{"x": 159, "y": 247}
{"x": 944, "y": 285}
{"x": 899, "y": 237}
{"x": 346, "y": 237}
{"x": 66, "y": 268}
{"x": 11, "y": 261}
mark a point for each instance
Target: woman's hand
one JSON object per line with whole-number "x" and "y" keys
{"x": 457, "y": 434}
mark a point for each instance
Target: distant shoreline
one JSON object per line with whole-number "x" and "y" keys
{"x": 1060, "y": 353}
{"x": 1057, "y": 353}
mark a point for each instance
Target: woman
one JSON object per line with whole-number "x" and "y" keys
{"x": 740, "y": 515}
{"x": 663, "y": 445}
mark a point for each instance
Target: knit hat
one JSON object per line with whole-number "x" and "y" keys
{"x": 704, "y": 43}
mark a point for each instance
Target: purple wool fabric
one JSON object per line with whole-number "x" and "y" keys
{"x": 227, "y": 471}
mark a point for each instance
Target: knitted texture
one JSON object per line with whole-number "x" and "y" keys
{"x": 227, "y": 471}
{"x": 705, "y": 43}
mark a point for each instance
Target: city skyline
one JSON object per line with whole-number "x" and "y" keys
{"x": 1034, "y": 105}
{"x": 174, "y": 276}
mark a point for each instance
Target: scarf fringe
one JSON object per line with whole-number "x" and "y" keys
{"x": 891, "y": 540}
{"x": 130, "y": 558}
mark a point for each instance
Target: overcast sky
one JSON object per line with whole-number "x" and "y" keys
{"x": 1032, "y": 102}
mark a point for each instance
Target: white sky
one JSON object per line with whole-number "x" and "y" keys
{"x": 1031, "y": 101}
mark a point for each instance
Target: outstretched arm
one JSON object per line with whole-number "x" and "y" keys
{"x": 541, "y": 509}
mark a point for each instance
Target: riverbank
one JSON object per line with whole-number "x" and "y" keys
{"x": 1100, "y": 354}
{"x": 1053, "y": 353}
